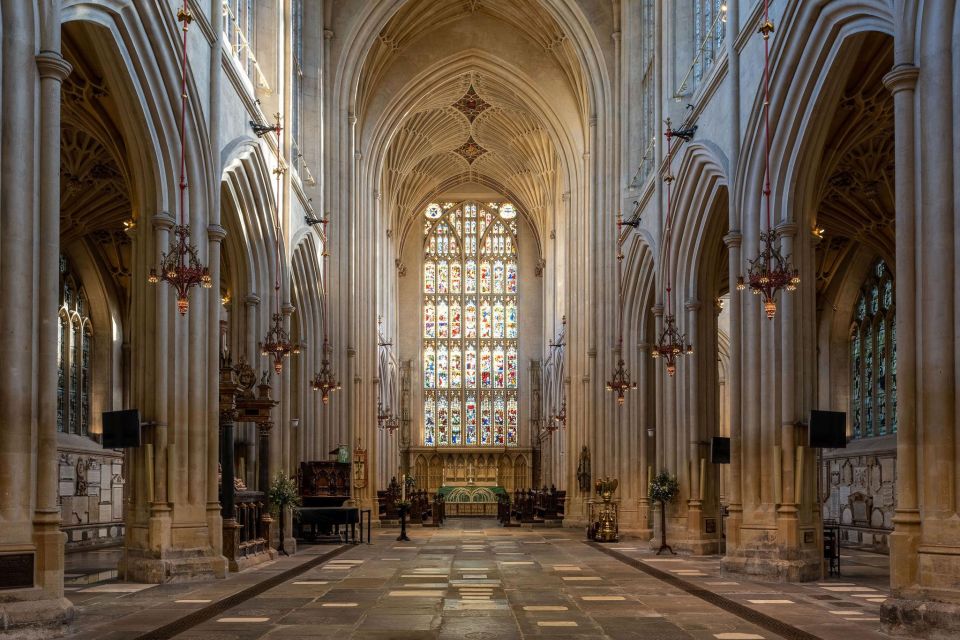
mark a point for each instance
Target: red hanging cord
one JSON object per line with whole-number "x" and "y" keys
{"x": 667, "y": 229}
{"x": 767, "y": 27}
{"x": 185, "y": 17}
{"x": 279, "y": 171}
{"x": 619, "y": 244}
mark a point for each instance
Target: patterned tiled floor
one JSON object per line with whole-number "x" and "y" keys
{"x": 474, "y": 580}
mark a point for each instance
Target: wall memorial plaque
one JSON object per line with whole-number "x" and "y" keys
{"x": 711, "y": 525}
{"x": 16, "y": 570}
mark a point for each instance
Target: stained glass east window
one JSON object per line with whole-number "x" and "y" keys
{"x": 470, "y": 325}
{"x": 873, "y": 356}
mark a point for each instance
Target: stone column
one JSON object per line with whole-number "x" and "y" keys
{"x": 47, "y": 537}
{"x": 29, "y": 173}
{"x": 227, "y": 487}
{"x": 155, "y": 468}
{"x": 645, "y": 532}
{"x": 252, "y": 302}
{"x": 924, "y": 572}
{"x": 251, "y": 444}
{"x": 215, "y": 236}
{"x": 733, "y": 240}
{"x": 231, "y": 528}
{"x": 905, "y": 539}
{"x": 795, "y": 534}
{"x": 263, "y": 456}
{"x": 696, "y": 539}
{"x": 267, "y": 523}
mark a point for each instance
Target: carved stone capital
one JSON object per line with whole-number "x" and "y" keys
{"x": 787, "y": 229}
{"x": 216, "y": 233}
{"x": 733, "y": 239}
{"x": 287, "y": 309}
{"x": 53, "y": 66}
{"x": 162, "y": 220}
{"x": 902, "y": 77}
{"x": 252, "y": 300}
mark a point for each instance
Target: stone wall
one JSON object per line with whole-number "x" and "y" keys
{"x": 860, "y": 488}
{"x": 90, "y": 489}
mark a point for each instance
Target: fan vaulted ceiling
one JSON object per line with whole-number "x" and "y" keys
{"x": 471, "y": 129}
{"x": 477, "y": 126}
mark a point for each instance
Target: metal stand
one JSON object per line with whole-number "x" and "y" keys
{"x": 280, "y": 548}
{"x": 403, "y": 525}
{"x": 663, "y": 531}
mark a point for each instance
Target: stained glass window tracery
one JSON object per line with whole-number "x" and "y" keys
{"x": 74, "y": 349}
{"x": 470, "y": 325}
{"x": 873, "y": 356}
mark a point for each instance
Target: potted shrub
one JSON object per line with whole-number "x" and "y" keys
{"x": 663, "y": 489}
{"x": 282, "y": 494}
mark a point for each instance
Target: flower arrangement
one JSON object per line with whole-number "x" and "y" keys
{"x": 663, "y": 488}
{"x": 283, "y": 493}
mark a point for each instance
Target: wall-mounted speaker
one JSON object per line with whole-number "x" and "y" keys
{"x": 121, "y": 429}
{"x": 828, "y": 430}
{"x": 720, "y": 450}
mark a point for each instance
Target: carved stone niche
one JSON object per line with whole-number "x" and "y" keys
{"x": 846, "y": 473}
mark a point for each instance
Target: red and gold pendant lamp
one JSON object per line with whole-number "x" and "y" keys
{"x": 620, "y": 382}
{"x": 277, "y": 344}
{"x": 671, "y": 344}
{"x": 325, "y": 381}
{"x": 770, "y": 271}
{"x": 180, "y": 267}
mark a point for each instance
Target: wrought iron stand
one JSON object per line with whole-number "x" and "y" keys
{"x": 403, "y": 525}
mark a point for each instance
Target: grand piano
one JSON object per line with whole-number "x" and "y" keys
{"x": 324, "y": 492}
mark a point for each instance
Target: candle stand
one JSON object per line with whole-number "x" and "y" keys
{"x": 402, "y": 507}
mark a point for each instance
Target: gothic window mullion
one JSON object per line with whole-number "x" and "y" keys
{"x": 873, "y": 354}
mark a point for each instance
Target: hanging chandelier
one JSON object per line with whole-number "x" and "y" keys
{"x": 620, "y": 383}
{"x": 277, "y": 343}
{"x": 771, "y": 271}
{"x": 672, "y": 343}
{"x": 180, "y": 266}
{"x": 386, "y": 421}
{"x": 560, "y": 420}
{"x": 325, "y": 381}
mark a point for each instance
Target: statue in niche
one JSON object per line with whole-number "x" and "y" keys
{"x": 583, "y": 470}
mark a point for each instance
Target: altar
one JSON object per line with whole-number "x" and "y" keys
{"x": 471, "y": 499}
{"x": 437, "y": 468}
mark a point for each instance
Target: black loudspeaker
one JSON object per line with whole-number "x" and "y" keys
{"x": 828, "y": 430}
{"x": 121, "y": 429}
{"x": 720, "y": 450}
